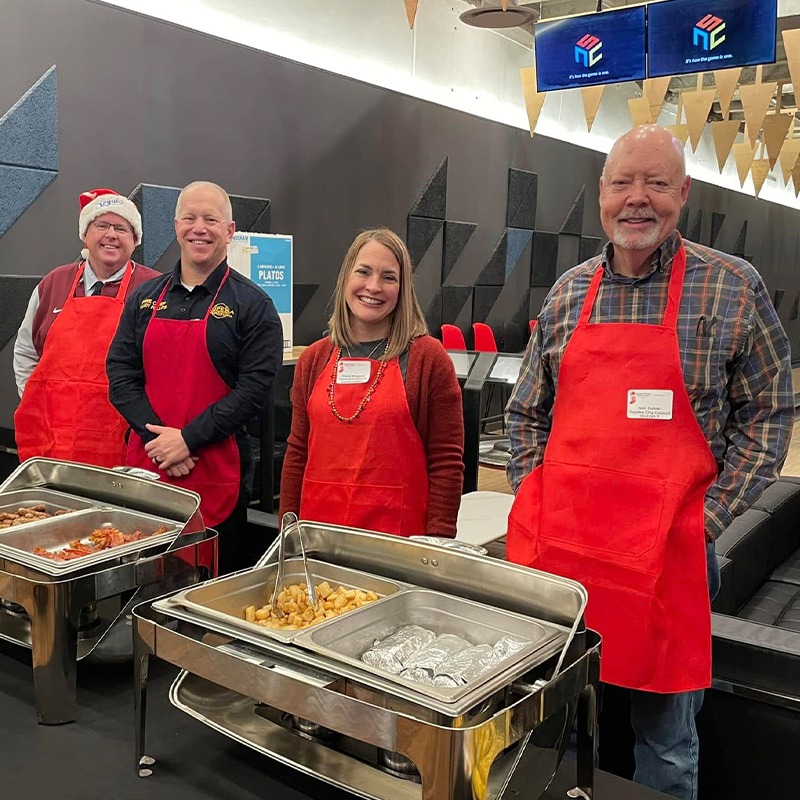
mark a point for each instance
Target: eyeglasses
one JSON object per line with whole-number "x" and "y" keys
{"x": 103, "y": 227}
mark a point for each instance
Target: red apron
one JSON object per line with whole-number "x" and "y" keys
{"x": 371, "y": 473}
{"x": 181, "y": 382}
{"x": 65, "y": 412}
{"x": 617, "y": 503}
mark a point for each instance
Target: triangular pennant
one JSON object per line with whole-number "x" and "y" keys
{"x": 411, "y": 11}
{"x": 680, "y": 132}
{"x": 726, "y": 80}
{"x": 655, "y": 89}
{"x": 534, "y": 100}
{"x": 504, "y": 3}
{"x": 788, "y": 158}
{"x": 796, "y": 179}
{"x": 759, "y": 171}
{"x": 592, "y": 95}
{"x": 724, "y": 134}
{"x": 776, "y": 126}
{"x": 744, "y": 155}
{"x": 697, "y": 104}
{"x": 755, "y": 102}
{"x": 640, "y": 111}
{"x": 791, "y": 42}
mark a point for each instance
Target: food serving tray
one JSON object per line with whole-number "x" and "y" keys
{"x": 225, "y": 599}
{"x": 52, "y": 501}
{"x": 346, "y": 638}
{"x": 17, "y": 543}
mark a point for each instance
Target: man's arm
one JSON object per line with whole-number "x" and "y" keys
{"x": 528, "y": 413}
{"x": 25, "y": 356}
{"x": 260, "y": 358}
{"x": 125, "y": 369}
{"x": 759, "y": 427}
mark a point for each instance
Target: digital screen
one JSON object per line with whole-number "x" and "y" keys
{"x": 699, "y": 35}
{"x": 462, "y": 361}
{"x": 590, "y": 49}
{"x": 506, "y": 369}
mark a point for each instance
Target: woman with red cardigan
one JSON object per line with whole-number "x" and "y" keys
{"x": 377, "y": 434}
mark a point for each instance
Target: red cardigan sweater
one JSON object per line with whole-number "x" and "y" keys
{"x": 435, "y": 403}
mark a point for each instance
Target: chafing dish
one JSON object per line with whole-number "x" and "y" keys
{"x": 67, "y": 611}
{"x": 307, "y": 702}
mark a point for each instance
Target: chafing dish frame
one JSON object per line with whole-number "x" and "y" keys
{"x": 304, "y": 684}
{"x": 53, "y": 603}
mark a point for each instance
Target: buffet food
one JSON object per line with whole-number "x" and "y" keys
{"x": 292, "y": 611}
{"x": 11, "y": 519}
{"x": 98, "y": 540}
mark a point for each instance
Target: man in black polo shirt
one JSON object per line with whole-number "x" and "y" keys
{"x": 193, "y": 360}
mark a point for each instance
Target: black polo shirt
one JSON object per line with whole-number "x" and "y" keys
{"x": 244, "y": 338}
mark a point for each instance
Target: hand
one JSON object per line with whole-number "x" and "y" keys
{"x": 168, "y": 448}
{"x": 182, "y": 469}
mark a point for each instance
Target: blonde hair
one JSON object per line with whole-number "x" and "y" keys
{"x": 407, "y": 321}
{"x": 224, "y": 196}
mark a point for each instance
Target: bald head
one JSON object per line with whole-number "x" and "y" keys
{"x": 205, "y": 188}
{"x": 657, "y": 141}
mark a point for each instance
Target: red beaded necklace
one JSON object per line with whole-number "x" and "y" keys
{"x": 369, "y": 393}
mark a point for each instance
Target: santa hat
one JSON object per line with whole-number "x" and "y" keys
{"x": 105, "y": 201}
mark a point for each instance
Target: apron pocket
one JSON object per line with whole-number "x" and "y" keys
{"x": 610, "y": 513}
{"x": 367, "y": 506}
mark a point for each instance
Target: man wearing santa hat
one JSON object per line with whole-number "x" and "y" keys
{"x": 61, "y": 346}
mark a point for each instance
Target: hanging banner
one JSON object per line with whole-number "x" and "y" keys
{"x": 724, "y": 134}
{"x": 411, "y": 11}
{"x": 655, "y": 90}
{"x": 640, "y": 111}
{"x": 788, "y": 158}
{"x": 775, "y": 127}
{"x": 697, "y": 106}
{"x": 592, "y": 95}
{"x": 266, "y": 259}
{"x": 533, "y": 100}
{"x": 791, "y": 42}
{"x": 755, "y": 102}
{"x": 726, "y": 80}
{"x": 744, "y": 155}
{"x": 759, "y": 171}
{"x": 680, "y": 132}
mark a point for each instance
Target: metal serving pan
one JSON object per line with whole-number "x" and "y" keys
{"x": 226, "y": 599}
{"x": 52, "y": 534}
{"x": 52, "y": 501}
{"x": 346, "y": 638}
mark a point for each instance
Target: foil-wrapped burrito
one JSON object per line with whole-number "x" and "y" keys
{"x": 439, "y": 650}
{"x": 507, "y": 646}
{"x": 444, "y": 680}
{"x": 418, "y": 675}
{"x": 468, "y": 664}
{"x": 391, "y": 653}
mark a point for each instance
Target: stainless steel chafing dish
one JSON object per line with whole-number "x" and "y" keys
{"x": 308, "y": 702}
{"x": 67, "y": 611}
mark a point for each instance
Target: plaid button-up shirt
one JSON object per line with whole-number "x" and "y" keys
{"x": 734, "y": 353}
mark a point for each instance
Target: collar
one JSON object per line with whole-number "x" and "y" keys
{"x": 210, "y": 284}
{"x": 90, "y": 278}
{"x": 661, "y": 260}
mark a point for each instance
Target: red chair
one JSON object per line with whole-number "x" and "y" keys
{"x": 452, "y": 338}
{"x": 532, "y": 325}
{"x": 484, "y": 338}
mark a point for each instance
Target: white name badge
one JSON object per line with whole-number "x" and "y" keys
{"x": 649, "y": 404}
{"x": 350, "y": 371}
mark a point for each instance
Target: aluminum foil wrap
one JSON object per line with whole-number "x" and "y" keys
{"x": 440, "y": 649}
{"x": 445, "y": 680}
{"x": 391, "y": 653}
{"x": 507, "y": 647}
{"x": 418, "y": 675}
{"x": 468, "y": 664}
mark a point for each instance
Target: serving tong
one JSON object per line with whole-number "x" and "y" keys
{"x": 290, "y": 521}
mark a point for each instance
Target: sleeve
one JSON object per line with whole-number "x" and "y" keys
{"x": 296, "y": 456}
{"x": 529, "y": 412}
{"x": 444, "y": 447}
{"x": 25, "y": 356}
{"x": 125, "y": 370}
{"x": 759, "y": 426}
{"x": 260, "y": 358}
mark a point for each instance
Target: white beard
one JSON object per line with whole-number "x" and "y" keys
{"x": 637, "y": 241}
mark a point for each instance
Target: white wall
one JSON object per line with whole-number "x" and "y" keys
{"x": 441, "y": 60}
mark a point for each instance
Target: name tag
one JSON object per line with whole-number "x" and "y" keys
{"x": 649, "y": 404}
{"x": 352, "y": 371}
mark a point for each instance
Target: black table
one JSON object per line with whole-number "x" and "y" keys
{"x": 93, "y": 757}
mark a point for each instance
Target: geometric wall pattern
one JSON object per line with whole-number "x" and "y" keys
{"x": 28, "y": 148}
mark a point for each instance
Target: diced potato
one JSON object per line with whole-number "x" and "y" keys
{"x": 250, "y": 613}
{"x": 262, "y": 613}
{"x": 340, "y": 602}
{"x": 372, "y": 597}
{"x": 324, "y": 589}
{"x": 350, "y": 594}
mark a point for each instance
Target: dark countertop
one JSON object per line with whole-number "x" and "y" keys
{"x": 92, "y": 758}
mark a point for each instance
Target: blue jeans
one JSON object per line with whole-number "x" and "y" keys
{"x": 667, "y": 746}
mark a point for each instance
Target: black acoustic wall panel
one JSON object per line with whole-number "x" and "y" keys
{"x": 483, "y": 300}
{"x": 523, "y": 189}
{"x": 432, "y": 201}
{"x": 573, "y": 222}
{"x": 544, "y": 258}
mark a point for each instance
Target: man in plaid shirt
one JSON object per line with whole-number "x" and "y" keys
{"x": 733, "y": 360}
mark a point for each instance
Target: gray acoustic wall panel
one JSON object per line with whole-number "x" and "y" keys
{"x": 432, "y": 202}
{"x": 456, "y": 237}
{"x": 483, "y": 300}
{"x": 15, "y": 290}
{"x": 454, "y": 298}
{"x": 574, "y": 219}
{"x": 494, "y": 272}
{"x": 545, "y": 259}
{"x": 523, "y": 188}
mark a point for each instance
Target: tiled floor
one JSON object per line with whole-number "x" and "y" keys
{"x": 493, "y": 479}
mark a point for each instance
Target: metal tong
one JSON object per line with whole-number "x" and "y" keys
{"x": 289, "y": 520}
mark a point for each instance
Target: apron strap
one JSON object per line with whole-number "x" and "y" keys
{"x": 78, "y": 276}
{"x": 214, "y": 301}
{"x": 673, "y": 295}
